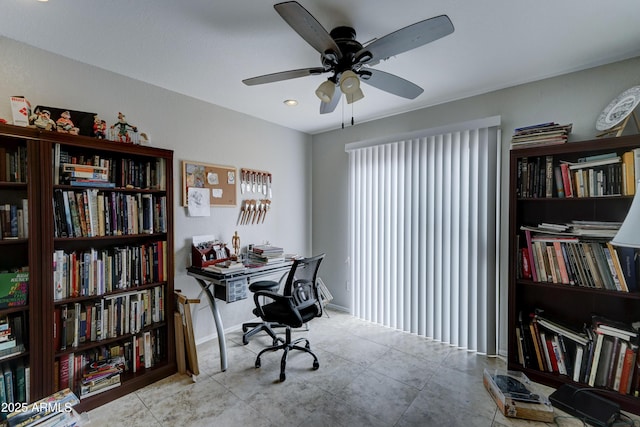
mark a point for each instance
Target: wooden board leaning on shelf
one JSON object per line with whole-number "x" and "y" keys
{"x": 184, "y": 308}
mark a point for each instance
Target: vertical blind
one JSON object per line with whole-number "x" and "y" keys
{"x": 422, "y": 219}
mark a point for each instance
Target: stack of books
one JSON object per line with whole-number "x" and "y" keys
{"x": 602, "y": 354}
{"x": 85, "y": 175}
{"x": 265, "y": 254}
{"x": 54, "y": 410}
{"x": 101, "y": 376}
{"x": 10, "y": 339}
{"x": 541, "y": 134}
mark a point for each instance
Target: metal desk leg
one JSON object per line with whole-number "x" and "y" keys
{"x": 219, "y": 328}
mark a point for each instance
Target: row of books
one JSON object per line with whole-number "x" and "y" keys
{"x": 100, "y": 271}
{"x": 265, "y": 254}
{"x": 599, "y": 175}
{"x": 122, "y": 173}
{"x": 579, "y": 262}
{"x": 550, "y": 133}
{"x": 80, "y": 371}
{"x": 601, "y": 354}
{"x": 14, "y": 382}
{"x": 14, "y": 220}
{"x": 91, "y": 213}
{"x": 13, "y": 164}
{"x": 110, "y": 317}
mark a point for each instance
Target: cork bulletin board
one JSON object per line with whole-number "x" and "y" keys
{"x": 220, "y": 181}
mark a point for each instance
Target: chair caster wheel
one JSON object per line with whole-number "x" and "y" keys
{"x": 282, "y": 377}
{"x": 257, "y": 363}
{"x": 316, "y": 365}
{"x": 245, "y": 341}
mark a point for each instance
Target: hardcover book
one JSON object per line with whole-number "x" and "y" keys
{"x": 14, "y": 289}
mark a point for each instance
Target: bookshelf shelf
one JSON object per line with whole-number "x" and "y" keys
{"x": 569, "y": 289}
{"x": 139, "y": 174}
{"x": 107, "y": 341}
{"x": 571, "y": 304}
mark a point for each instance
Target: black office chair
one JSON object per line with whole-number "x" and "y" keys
{"x": 298, "y": 305}
{"x": 252, "y": 328}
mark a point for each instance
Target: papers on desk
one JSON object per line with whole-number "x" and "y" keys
{"x": 225, "y": 269}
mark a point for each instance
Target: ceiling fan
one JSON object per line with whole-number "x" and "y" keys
{"x": 348, "y": 61}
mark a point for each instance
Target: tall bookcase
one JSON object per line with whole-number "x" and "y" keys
{"x": 20, "y": 252}
{"x": 570, "y": 304}
{"x": 101, "y": 272}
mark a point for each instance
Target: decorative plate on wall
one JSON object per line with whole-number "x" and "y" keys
{"x": 619, "y": 108}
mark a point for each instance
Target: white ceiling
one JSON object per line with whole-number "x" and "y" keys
{"x": 204, "y": 48}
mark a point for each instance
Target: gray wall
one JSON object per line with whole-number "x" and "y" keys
{"x": 196, "y": 131}
{"x": 576, "y": 98}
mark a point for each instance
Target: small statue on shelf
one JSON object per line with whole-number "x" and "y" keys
{"x": 99, "y": 127}
{"x": 123, "y": 129}
{"x": 41, "y": 119}
{"x": 65, "y": 125}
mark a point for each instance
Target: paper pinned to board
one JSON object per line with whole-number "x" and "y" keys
{"x": 216, "y": 193}
{"x": 198, "y": 202}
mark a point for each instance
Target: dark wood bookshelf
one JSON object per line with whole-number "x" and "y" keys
{"x": 22, "y": 251}
{"x": 573, "y": 305}
{"x": 36, "y": 252}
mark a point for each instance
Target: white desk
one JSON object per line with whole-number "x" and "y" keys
{"x": 214, "y": 285}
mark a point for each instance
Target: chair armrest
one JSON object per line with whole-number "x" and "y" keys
{"x": 276, "y": 297}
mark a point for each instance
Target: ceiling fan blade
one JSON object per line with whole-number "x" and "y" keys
{"x": 408, "y": 38}
{"x": 393, "y": 84}
{"x": 283, "y": 75}
{"x": 307, "y": 27}
{"x": 329, "y": 107}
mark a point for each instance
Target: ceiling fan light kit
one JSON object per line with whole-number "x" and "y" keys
{"x": 355, "y": 96}
{"x": 326, "y": 90}
{"x": 348, "y": 61}
{"x": 349, "y": 82}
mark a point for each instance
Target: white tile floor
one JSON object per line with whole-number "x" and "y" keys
{"x": 369, "y": 376}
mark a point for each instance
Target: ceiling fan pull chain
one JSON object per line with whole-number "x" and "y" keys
{"x": 352, "y": 115}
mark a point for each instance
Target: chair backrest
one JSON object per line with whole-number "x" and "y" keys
{"x": 302, "y": 284}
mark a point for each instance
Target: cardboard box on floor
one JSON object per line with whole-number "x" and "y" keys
{"x": 538, "y": 409}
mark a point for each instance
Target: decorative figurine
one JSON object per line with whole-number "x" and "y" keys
{"x": 123, "y": 128}
{"x": 42, "y": 120}
{"x": 235, "y": 242}
{"x": 144, "y": 139}
{"x": 99, "y": 127}
{"x": 65, "y": 125}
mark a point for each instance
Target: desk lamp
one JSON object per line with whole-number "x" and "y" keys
{"x": 629, "y": 233}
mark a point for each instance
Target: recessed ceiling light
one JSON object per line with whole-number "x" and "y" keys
{"x": 290, "y": 102}
{"x": 43, "y": 1}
